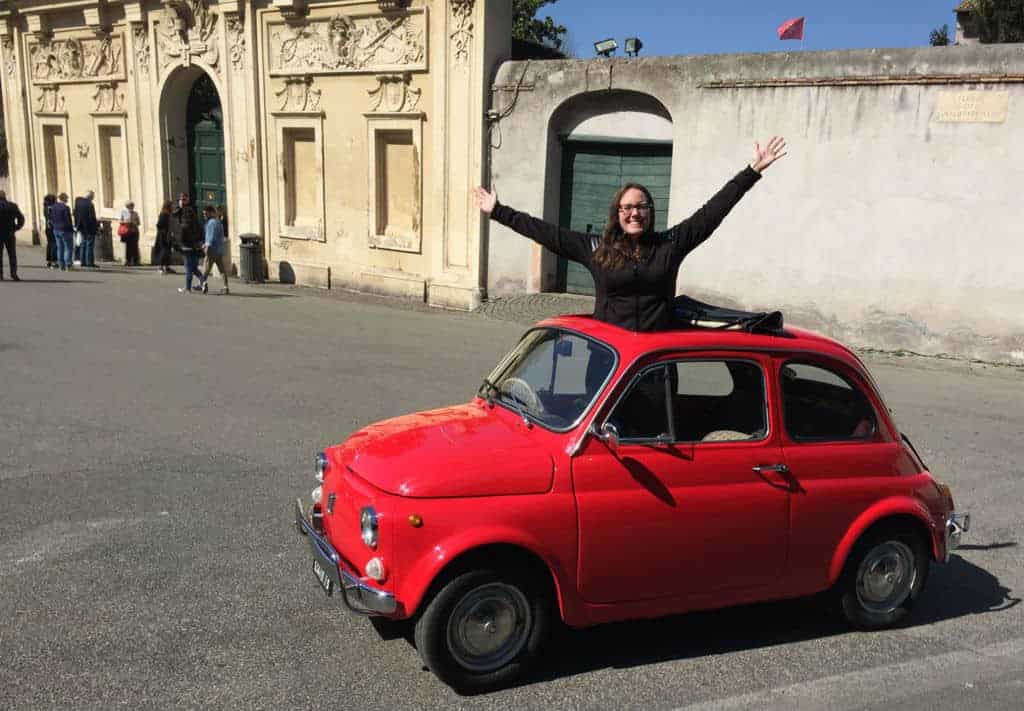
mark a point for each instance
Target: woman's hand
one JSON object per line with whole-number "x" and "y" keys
{"x": 764, "y": 157}
{"x": 485, "y": 200}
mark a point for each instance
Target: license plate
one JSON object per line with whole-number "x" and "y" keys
{"x": 325, "y": 581}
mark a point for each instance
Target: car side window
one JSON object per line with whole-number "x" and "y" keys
{"x": 711, "y": 401}
{"x": 819, "y": 404}
{"x": 643, "y": 412}
{"x": 719, "y": 401}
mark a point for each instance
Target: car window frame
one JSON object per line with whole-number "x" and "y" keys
{"x": 839, "y": 370}
{"x": 763, "y": 367}
{"x": 505, "y": 363}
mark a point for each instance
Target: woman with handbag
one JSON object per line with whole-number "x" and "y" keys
{"x": 128, "y": 231}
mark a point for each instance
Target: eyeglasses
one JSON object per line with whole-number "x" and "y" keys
{"x": 643, "y": 208}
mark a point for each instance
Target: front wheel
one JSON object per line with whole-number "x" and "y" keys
{"x": 483, "y": 629}
{"x": 883, "y": 578}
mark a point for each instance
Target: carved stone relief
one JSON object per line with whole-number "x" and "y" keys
{"x": 49, "y": 100}
{"x": 77, "y": 59}
{"x": 297, "y": 95}
{"x": 107, "y": 99}
{"x": 393, "y": 94}
{"x": 462, "y": 35}
{"x": 350, "y": 43}
{"x": 83, "y": 150}
{"x": 8, "y": 48}
{"x": 186, "y": 30}
{"x": 141, "y": 48}
{"x": 236, "y": 41}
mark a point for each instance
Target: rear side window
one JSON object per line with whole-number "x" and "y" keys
{"x": 819, "y": 404}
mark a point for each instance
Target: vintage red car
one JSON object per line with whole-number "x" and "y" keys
{"x": 603, "y": 475}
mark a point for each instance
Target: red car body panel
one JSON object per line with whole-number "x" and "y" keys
{"x": 643, "y": 531}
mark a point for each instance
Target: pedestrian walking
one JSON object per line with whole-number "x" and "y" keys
{"x": 51, "y": 240}
{"x": 164, "y": 239}
{"x": 87, "y": 226}
{"x": 215, "y": 243}
{"x": 64, "y": 231}
{"x": 187, "y": 233}
{"x": 222, "y": 215}
{"x": 128, "y": 231}
{"x": 11, "y": 220}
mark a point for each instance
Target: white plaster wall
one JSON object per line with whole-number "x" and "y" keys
{"x": 882, "y": 226}
{"x": 625, "y": 125}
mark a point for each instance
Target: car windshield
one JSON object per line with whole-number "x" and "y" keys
{"x": 551, "y": 377}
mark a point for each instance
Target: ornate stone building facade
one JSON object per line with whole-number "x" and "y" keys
{"x": 345, "y": 134}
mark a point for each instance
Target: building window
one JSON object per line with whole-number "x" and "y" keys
{"x": 301, "y": 178}
{"x": 300, "y": 188}
{"x": 55, "y": 159}
{"x": 396, "y": 180}
{"x": 113, "y": 180}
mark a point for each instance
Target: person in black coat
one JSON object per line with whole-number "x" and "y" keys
{"x": 164, "y": 239}
{"x": 87, "y": 226}
{"x": 11, "y": 220}
{"x": 51, "y": 239}
{"x": 634, "y": 267}
{"x": 188, "y": 234}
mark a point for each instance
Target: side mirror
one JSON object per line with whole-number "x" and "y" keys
{"x": 609, "y": 434}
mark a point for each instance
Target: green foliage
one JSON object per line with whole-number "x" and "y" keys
{"x": 939, "y": 37}
{"x": 998, "y": 21}
{"x": 526, "y": 26}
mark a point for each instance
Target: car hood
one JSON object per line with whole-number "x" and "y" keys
{"x": 461, "y": 451}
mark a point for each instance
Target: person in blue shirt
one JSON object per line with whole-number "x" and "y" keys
{"x": 216, "y": 244}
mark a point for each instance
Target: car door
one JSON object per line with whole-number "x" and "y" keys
{"x": 689, "y": 499}
{"x": 838, "y": 448}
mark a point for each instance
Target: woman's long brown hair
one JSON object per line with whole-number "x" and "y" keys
{"x": 617, "y": 248}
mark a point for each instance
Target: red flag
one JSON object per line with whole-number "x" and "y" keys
{"x": 792, "y": 29}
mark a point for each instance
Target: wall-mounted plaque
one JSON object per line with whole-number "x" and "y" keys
{"x": 77, "y": 60}
{"x": 972, "y": 107}
{"x": 349, "y": 44}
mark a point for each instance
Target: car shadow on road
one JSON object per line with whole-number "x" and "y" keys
{"x": 957, "y": 589}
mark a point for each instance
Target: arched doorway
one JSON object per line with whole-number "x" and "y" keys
{"x": 192, "y": 133}
{"x": 606, "y": 140}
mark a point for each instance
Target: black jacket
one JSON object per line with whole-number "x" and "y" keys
{"x": 185, "y": 229}
{"x": 639, "y": 295}
{"x": 11, "y": 219}
{"x": 85, "y": 216}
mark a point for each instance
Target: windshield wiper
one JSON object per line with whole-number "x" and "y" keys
{"x": 491, "y": 390}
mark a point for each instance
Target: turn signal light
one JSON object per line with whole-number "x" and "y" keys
{"x": 375, "y": 569}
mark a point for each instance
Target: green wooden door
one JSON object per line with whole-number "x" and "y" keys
{"x": 208, "y": 185}
{"x": 591, "y": 174}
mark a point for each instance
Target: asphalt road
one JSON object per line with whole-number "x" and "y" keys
{"x": 152, "y": 444}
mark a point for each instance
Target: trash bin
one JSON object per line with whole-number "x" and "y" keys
{"x": 250, "y": 261}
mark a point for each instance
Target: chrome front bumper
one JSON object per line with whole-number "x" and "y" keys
{"x": 359, "y": 596}
{"x": 957, "y": 524}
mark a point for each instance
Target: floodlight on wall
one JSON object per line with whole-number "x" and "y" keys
{"x": 633, "y": 46}
{"x": 606, "y": 48}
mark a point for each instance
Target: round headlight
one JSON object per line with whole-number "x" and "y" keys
{"x": 368, "y": 526}
{"x": 321, "y": 466}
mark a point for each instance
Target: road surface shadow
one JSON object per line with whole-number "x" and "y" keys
{"x": 956, "y": 589}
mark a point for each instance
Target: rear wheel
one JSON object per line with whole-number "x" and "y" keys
{"x": 883, "y": 578}
{"x": 483, "y": 629}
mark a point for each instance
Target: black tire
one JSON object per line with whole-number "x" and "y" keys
{"x": 883, "y": 577}
{"x": 450, "y": 633}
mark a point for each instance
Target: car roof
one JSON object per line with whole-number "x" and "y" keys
{"x": 634, "y": 344}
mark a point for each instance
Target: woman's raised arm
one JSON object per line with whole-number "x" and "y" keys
{"x": 576, "y": 246}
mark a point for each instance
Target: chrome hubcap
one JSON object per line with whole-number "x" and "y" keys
{"x": 886, "y": 577}
{"x": 489, "y": 627}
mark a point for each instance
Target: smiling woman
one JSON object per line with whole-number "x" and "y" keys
{"x": 634, "y": 266}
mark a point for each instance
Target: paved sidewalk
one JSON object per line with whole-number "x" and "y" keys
{"x": 530, "y": 308}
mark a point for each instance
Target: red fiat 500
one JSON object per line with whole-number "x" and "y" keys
{"x": 603, "y": 475}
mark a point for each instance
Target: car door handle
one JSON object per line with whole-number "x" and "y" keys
{"x": 777, "y": 468}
